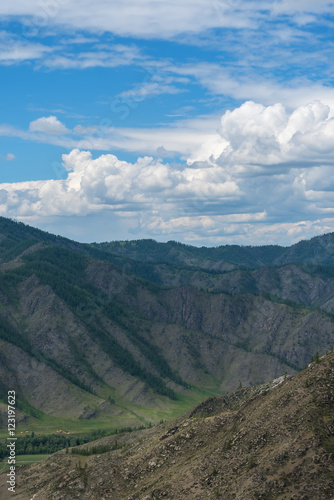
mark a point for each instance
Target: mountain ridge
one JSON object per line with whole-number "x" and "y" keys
{"x": 317, "y": 250}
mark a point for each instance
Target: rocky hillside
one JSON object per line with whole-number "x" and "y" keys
{"x": 273, "y": 443}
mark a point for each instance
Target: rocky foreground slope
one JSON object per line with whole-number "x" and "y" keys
{"x": 271, "y": 442}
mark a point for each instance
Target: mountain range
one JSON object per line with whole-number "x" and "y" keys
{"x": 129, "y": 333}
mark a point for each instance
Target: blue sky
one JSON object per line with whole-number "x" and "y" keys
{"x": 207, "y": 122}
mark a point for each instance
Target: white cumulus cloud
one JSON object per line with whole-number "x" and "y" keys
{"x": 269, "y": 135}
{"x": 106, "y": 182}
{"x": 267, "y": 176}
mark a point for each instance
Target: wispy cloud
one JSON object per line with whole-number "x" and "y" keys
{"x": 262, "y": 49}
{"x": 183, "y": 138}
{"x": 15, "y": 50}
{"x": 155, "y": 19}
{"x": 240, "y": 85}
{"x": 106, "y": 57}
{"x": 143, "y": 18}
{"x": 157, "y": 84}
